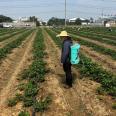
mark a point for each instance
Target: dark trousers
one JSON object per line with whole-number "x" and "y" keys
{"x": 67, "y": 70}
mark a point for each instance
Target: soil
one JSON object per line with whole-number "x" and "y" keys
{"x": 80, "y": 100}
{"x": 5, "y": 42}
{"x": 107, "y": 36}
{"x": 10, "y": 68}
{"x": 98, "y": 43}
{"x": 105, "y": 62}
{"x": 8, "y": 34}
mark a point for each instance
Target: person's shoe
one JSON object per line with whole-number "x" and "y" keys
{"x": 67, "y": 86}
{"x": 70, "y": 85}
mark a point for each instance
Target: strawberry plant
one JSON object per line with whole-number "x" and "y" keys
{"x": 24, "y": 113}
{"x": 42, "y": 105}
{"x": 31, "y": 89}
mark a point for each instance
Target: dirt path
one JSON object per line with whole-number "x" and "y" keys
{"x": 5, "y": 42}
{"x": 65, "y": 102}
{"x": 9, "y": 70}
{"x": 106, "y": 62}
{"x": 97, "y": 42}
{"x": 81, "y": 100}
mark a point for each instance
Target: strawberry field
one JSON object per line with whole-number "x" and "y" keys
{"x": 32, "y": 78}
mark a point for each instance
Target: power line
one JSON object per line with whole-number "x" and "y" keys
{"x": 106, "y": 0}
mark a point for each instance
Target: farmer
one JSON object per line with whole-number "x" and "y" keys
{"x": 65, "y": 57}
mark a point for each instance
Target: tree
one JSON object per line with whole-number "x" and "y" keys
{"x": 34, "y": 19}
{"x": 43, "y": 23}
{"x": 87, "y": 21}
{"x": 78, "y": 21}
{"x": 56, "y": 21}
{"x": 5, "y": 19}
{"x": 91, "y": 20}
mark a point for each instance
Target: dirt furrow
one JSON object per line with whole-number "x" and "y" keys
{"x": 82, "y": 99}
{"x": 106, "y": 62}
{"x": 97, "y": 43}
{"x": 9, "y": 70}
{"x": 5, "y": 42}
{"x": 65, "y": 101}
{"x": 7, "y": 34}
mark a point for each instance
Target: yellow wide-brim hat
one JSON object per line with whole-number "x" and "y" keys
{"x": 63, "y": 34}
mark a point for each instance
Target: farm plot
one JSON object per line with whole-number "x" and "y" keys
{"x": 92, "y": 39}
{"x": 93, "y": 36}
{"x": 93, "y": 65}
{"x": 6, "y": 31}
{"x": 7, "y": 36}
{"x": 26, "y": 60}
{"x": 92, "y": 70}
{"x": 32, "y": 80}
{"x": 93, "y": 51}
{"x": 101, "y": 30}
{"x": 9, "y": 69}
{"x": 8, "y": 40}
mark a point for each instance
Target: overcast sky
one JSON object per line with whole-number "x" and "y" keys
{"x": 46, "y": 9}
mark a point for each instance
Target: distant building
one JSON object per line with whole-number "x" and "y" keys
{"x": 106, "y": 21}
{"x": 21, "y": 24}
{"x": 73, "y": 20}
{"x": 24, "y": 19}
{"x": 1, "y": 25}
{"x": 7, "y": 25}
{"x": 83, "y": 21}
{"x": 111, "y": 24}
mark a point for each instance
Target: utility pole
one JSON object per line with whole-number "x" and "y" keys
{"x": 102, "y": 13}
{"x": 65, "y": 13}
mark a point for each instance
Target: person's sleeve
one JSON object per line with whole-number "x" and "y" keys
{"x": 65, "y": 52}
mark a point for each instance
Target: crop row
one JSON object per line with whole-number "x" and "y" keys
{"x": 101, "y": 30}
{"x": 95, "y": 47}
{"x": 93, "y": 36}
{"x": 7, "y": 31}
{"x": 33, "y": 76}
{"x": 2, "y": 30}
{"x": 110, "y": 37}
{"x": 93, "y": 70}
{"x": 11, "y": 35}
{"x": 8, "y": 48}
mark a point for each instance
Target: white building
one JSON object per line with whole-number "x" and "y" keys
{"x": 23, "y": 19}
{"x": 19, "y": 24}
{"x": 84, "y": 21}
{"x": 73, "y": 20}
{"x": 7, "y": 25}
